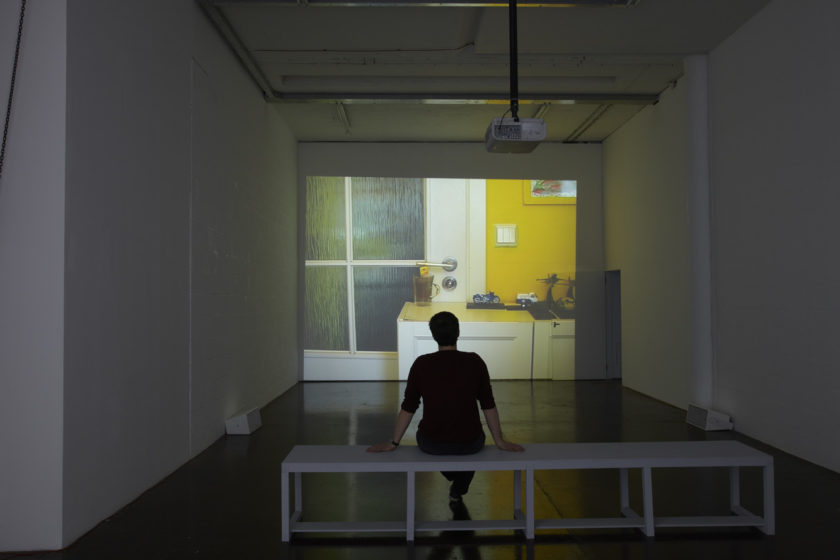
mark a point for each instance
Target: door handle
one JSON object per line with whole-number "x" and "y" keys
{"x": 449, "y": 264}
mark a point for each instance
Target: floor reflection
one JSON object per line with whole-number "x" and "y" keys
{"x": 225, "y": 503}
{"x": 463, "y": 541}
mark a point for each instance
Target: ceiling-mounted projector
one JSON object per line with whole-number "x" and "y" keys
{"x": 514, "y": 136}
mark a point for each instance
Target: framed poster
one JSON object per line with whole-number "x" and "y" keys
{"x": 549, "y": 191}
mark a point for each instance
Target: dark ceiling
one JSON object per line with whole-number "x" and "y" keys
{"x": 401, "y": 70}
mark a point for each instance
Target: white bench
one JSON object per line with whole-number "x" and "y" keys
{"x": 538, "y": 456}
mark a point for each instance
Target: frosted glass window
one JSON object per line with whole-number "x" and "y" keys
{"x": 368, "y": 231}
{"x": 325, "y": 308}
{"x": 325, "y": 219}
{"x": 388, "y": 216}
{"x": 380, "y": 293}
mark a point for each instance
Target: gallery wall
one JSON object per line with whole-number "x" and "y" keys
{"x": 243, "y": 241}
{"x": 773, "y": 115}
{"x": 177, "y": 302}
{"x": 646, "y": 222}
{"x": 771, "y": 199}
{"x": 32, "y": 278}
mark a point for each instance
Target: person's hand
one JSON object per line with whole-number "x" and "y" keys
{"x": 509, "y": 446}
{"x": 379, "y": 447}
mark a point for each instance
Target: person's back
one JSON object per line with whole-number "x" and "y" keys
{"x": 452, "y": 385}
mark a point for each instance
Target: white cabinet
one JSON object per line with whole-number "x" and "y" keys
{"x": 512, "y": 343}
{"x": 502, "y": 338}
{"x": 554, "y": 349}
{"x": 562, "y": 349}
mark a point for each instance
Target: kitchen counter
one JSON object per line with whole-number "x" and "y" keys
{"x": 512, "y": 343}
{"x": 414, "y": 312}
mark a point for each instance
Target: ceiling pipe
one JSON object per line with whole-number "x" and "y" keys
{"x": 226, "y": 30}
{"x": 514, "y": 69}
{"x": 341, "y": 113}
{"x": 542, "y": 111}
{"x": 587, "y": 123}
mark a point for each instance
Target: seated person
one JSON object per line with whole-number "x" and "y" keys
{"x": 451, "y": 384}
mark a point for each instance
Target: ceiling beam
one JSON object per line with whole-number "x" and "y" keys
{"x": 588, "y": 122}
{"x": 475, "y": 98}
{"x": 433, "y": 3}
{"x": 216, "y": 15}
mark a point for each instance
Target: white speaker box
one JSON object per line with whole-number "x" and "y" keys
{"x": 245, "y": 423}
{"x": 707, "y": 419}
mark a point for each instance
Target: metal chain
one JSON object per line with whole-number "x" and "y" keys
{"x": 12, "y": 86}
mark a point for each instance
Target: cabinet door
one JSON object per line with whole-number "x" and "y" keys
{"x": 505, "y": 347}
{"x": 563, "y": 349}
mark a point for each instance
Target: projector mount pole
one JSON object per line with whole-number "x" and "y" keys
{"x": 514, "y": 81}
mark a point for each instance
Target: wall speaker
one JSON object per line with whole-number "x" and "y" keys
{"x": 245, "y": 423}
{"x": 707, "y": 419}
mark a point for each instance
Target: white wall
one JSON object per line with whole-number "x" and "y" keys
{"x": 471, "y": 160}
{"x": 177, "y": 301}
{"x": 647, "y": 180}
{"x": 126, "y": 385}
{"x": 774, "y": 87}
{"x": 32, "y": 277}
{"x": 121, "y": 275}
{"x": 243, "y": 245}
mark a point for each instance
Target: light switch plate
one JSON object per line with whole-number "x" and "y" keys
{"x": 505, "y": 235}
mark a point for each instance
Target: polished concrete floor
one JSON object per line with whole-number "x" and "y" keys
{"x": 226, "y": 502}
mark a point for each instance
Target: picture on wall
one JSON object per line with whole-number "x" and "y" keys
{"x": 550, "y": 191}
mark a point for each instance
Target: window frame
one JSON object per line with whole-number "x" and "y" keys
{"x": 349, "y": 263}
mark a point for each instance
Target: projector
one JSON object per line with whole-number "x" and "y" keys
{"x": 512, "y": 136}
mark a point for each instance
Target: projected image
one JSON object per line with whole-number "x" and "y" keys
{"x": 539, "y": 271}
{"x": 370, "y": 241}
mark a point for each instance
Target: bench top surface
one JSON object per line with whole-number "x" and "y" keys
{"x": 346, "y": 458}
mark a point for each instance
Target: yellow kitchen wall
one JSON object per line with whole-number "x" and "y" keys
{"x": 546, "y": 242}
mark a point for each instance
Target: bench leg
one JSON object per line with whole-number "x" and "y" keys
{"x": 284, "y": 506}
{"x": 529, "y": 504}
{"x": 625, "y": 490}
{"x": 734, "y": 488}
{"x": 409, "y": 507}
{"x": 647, "y": 497}
{"x": 769, "y": 502}
{"x": 517, "y": 492}
{"x": 298, "y": 492}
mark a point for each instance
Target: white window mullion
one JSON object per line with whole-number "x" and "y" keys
{"x": 351, "y": 294}
{"x": 325, "y": 263}
{"x": 384, "y": 263}
{"x": 427, "y": 220}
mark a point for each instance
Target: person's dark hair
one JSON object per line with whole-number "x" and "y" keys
{"x": 444, "y": 327}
